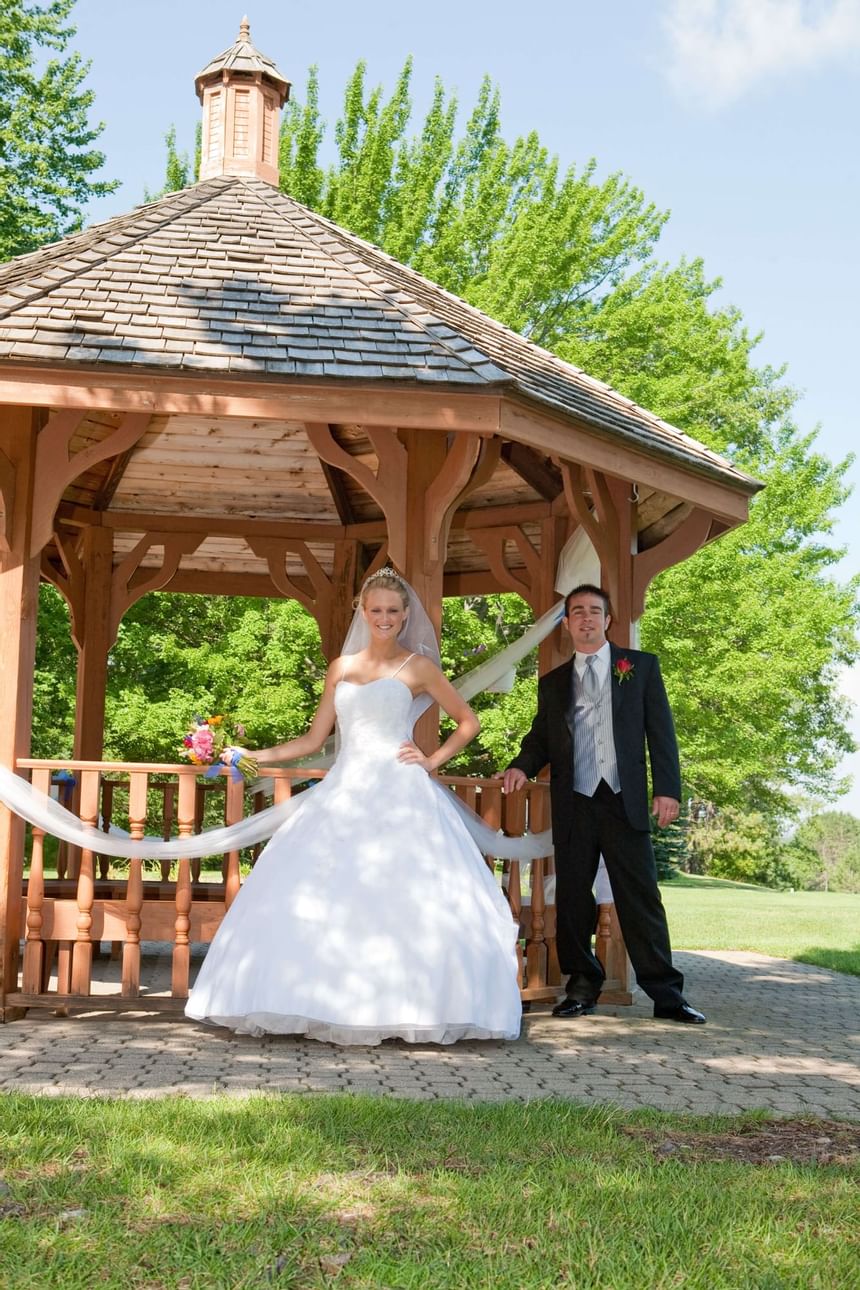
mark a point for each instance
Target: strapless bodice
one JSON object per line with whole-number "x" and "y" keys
{"x": 373, "y": 717}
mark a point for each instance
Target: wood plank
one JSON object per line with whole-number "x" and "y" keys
{"x": 727, "y": 498}
{"x": 187, "y": 393}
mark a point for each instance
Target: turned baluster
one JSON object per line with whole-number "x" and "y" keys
{"x": 199, "y": 808}
{"x": 168, "y": 814}
{"x": 107, "y": 820}
{"x": 65, "y": 794}
{"x": 514, "y": 823}
{"x": 34, "y": 947}
{"x": 182, "y": 927}
{"x": 283, "y": 788}
{"x": 234, "y": 805}
{"x": 137, "y": 791}
{"x": 536, "y": 956}
{"x": 82, "y": 950}
{"x": 489, "y": 805}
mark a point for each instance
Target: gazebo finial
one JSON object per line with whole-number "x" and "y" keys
{"x": 242, "y": 93}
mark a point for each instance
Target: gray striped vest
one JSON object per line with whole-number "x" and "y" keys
{"x": 593, "y": 741}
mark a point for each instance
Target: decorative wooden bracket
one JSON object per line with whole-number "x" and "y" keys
{"x": 130, "y": 582}
{"x": 691, "y": 533}
{"x": 7, "y": 500}
{"x": 72, "y": 585}
{"x": 445, "y": 492}
{"x": 56, "y": 469}
{"x": 387, "y": 487}
{"x": 467, "y": 467}
{"x": 274, "y": 551}
{"x": 494, "y": 542}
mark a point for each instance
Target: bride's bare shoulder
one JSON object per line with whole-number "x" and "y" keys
{"x": 423, "y": 668}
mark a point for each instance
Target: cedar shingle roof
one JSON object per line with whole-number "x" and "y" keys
{"x": 233, "y": 277}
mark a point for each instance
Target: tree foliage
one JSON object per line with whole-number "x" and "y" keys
{"x": 832, "y": 840}
{"x": 746, "y": 846}
{"x": 47, "y": 163}
{"x": 180, "y": 170}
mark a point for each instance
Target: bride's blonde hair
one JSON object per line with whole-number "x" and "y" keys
{"x": 386, "y": 579}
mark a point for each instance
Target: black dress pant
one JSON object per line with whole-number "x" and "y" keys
{"x": 600, "y": 826}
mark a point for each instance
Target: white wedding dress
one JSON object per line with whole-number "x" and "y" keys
{"x": 370, "y": 914}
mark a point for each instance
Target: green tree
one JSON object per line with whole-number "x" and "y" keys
{"x": 833, "y": 838}
{"x": 744, "y": 846}
{"x": 179, "y": 170}
{"x": 47, "y": 164}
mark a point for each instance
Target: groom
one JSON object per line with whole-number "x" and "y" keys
{"x": 596, "y": 714}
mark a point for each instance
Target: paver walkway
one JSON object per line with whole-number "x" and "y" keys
{"x": 781, "y": 1036}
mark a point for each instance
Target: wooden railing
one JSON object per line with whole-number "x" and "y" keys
{"x": 92, "y": 899}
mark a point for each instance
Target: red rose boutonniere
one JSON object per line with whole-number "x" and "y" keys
{"x": 623, "y": 670}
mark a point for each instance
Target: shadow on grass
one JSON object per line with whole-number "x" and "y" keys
{"x": 836, "y": 960}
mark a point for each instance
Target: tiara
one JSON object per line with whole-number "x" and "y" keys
{"x": 387, "y": 572}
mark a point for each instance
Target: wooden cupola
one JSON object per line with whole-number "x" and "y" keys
{"x": 242, "y": 93}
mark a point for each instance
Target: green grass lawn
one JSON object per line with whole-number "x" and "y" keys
{"x": 368, "y": 1192}
{"x": 810, "y": 926}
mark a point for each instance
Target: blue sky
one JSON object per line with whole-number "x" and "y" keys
{"x": 738, "y": 116}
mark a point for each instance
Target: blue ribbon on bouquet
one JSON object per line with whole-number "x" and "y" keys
{"x": 215, "y": 769}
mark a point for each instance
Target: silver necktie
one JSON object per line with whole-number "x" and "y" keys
{"x": 590, "y": 686}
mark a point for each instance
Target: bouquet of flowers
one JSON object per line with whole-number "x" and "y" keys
{"x": 205, "y": 742}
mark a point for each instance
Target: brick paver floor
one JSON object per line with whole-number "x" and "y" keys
{"x": 780, "y": 1036}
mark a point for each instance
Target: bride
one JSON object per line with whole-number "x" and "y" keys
{"x": 371, "y": 913}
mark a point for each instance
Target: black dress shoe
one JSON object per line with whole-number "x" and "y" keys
{"x": 573, "y": 1008}
{"x": 683, "y": 1012}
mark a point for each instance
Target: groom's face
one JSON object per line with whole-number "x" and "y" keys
{"x": 587, "y": 623}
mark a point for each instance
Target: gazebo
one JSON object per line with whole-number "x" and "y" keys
{"x": 222, "y": 392}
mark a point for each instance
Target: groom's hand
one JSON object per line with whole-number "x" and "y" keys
{"x": 512, "y": 779}
{"x": 665, "y": 809}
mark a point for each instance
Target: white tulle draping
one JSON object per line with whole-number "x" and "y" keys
{"x": 44, "y": 813}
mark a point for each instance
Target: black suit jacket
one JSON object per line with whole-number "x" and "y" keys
{"x": 641, "y": 717}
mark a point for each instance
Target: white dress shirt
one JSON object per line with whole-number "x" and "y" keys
{"x": 602, "y": 661}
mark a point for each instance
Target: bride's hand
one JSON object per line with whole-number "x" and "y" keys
{"x": 411, "y": 755}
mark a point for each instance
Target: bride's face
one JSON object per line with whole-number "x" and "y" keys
{"x": 384, "y": 613}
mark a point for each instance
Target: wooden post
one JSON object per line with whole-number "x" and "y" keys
{"x": 93, "y": 644}
{"x": 423, "y": 569}
{"x": 19, "y": 591}
{"x": 34, "y": 949}
{"x": 334, "y": 626}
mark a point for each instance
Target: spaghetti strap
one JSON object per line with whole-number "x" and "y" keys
{"x": 403, "y": 664}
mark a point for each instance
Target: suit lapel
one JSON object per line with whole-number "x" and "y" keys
{"x": 564, "y": 697}
{"x": 617, "y": 686}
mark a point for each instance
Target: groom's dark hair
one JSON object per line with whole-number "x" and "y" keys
{"x": 587, "y": 589}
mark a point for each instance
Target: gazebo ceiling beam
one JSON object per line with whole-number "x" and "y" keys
{"x": 412, "y": 407}
{"x": 339, "y": 495}
{"x": 686, "y": 480}
{"x": 533, "y": 469}
{"x": 373, "y": 531}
